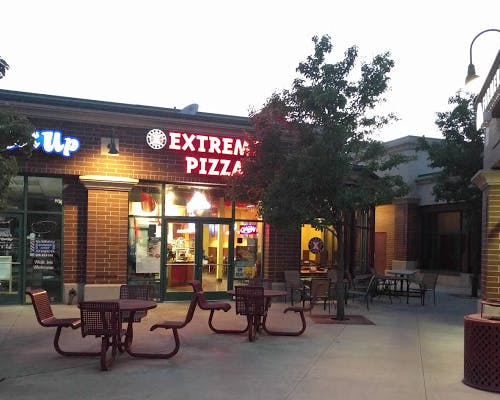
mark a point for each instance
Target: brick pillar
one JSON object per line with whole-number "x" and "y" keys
{"x": 281, "y": 251}
{"x": 107, "y": 235}
{"x": 489, "y": 182}
{"x": 405, "y": 233}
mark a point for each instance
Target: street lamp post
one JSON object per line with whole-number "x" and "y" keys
{"x": 471, "y": 70}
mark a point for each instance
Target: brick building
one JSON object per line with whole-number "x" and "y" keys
{"x": 117, "y": 193}
{"x": 488, "y": 180}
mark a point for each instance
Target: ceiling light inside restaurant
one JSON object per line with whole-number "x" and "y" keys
{"x": 198, "y": 203}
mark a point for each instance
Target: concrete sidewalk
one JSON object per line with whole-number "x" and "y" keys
{"x": 411, "y": 352}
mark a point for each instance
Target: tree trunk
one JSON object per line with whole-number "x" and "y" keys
{"x": 339, "y": 285}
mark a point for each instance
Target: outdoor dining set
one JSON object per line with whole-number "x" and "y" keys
{"x": 105, "y": 319}
{"x": 113, "y": 320}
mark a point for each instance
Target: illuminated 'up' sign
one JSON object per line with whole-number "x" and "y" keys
{"x": 52, "y": 142}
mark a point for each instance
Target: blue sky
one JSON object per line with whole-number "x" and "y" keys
{"x": 230, "y": 56}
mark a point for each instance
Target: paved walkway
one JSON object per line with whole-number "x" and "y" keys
{"x": 411, "y": 352}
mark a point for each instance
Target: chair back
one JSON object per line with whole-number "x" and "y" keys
{"x": 332, "y": 275}
{"x": 292, "y": 278}
{"x": 429, "y": 280}
{"x": 100, "y": 318}
{"x": 250, "y": 300}
{"x": 137, "y": 292}
{"x": 41, "y": 304}
{"x": 200, "y": 294}
{"x": 265, "y": 283}
{"x": 191, "y": 309}
{"x": 320, "y": 288}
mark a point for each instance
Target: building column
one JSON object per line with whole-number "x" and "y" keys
{"x": 107, "y": 235}
{"x": 281, "y": 251}
{"x": 489, "y": 183}
{"x": 406, "y": 238}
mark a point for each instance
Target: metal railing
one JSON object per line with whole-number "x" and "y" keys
{"x": 489, "y": 95}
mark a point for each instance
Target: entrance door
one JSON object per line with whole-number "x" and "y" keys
{"x": 196, "y": 250}
{"x": 215, "y": 256}
{"x": 181, "y": 255}
{"x": 11, "y": 274}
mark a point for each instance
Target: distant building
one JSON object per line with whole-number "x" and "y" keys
{"x": 417, "y": 232}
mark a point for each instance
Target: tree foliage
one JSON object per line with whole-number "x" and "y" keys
{"x": 14, "y": 130}
{"x": 3, "y": 67}
{"x": 312, "y": 160}
{"x": 459, "y": 157}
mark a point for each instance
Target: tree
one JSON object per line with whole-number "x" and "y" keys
{"x": 3, "y": 67}
{"x": 311, "y": 159}
{"x": 14, "y": 130}
{"x": 459, "y": 156}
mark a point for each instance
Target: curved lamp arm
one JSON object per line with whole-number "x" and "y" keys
{"x": 471, "y": 70}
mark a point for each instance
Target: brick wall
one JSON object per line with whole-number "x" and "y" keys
{"x": 75, "y": 230}
{"x": 406, "y": 237}
{"x": 384, "y": 222}
{"x": 107, "y": 232}
{"x": 490, "y": 264}
{"x": 281, "y": 251}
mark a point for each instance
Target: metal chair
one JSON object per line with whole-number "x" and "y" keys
{"x": 175, "y": 326}
{"x": 213, "y": 306}
{"x": 428, "y": 284}
{"x": 102, "y": 319}
{"x": 320, "y": 291}
{"x": 138, "y": 292}
{"x": 293, "y": 284}
{"x": 45, "y": 316}
{"x": 250, "y": 302}
{"x": 365, "y": 288}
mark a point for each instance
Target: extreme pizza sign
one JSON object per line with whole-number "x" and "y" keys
{"x": 204, "y": 154}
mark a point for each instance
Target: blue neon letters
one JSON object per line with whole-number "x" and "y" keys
{"x": 53, "y": 142}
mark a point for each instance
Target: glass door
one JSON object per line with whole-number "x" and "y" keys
{"x": 11, "y": 276}
{"x": 181, "y": 257}
{"x": 215, "y": 257}
{"x": 196, "y": 250}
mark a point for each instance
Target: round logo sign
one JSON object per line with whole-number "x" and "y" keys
{"x": 316, "y": 245}
{"x": 156, "y": 139}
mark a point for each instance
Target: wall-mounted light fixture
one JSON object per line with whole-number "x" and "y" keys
{"x": 110, "y": 146}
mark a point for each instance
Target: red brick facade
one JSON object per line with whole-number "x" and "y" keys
{"x": 489, "y": 183}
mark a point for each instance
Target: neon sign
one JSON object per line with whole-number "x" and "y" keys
{"x": 53, "y": 142}
{"x": 208, "y": 154}
{"x": 248, "y": 229}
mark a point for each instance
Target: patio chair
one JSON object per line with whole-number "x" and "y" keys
{"x": 45, "y": 316}
{"x": 102, "y": 319}
{"x": 250, "y": 302}
{"x": 175, "y": 326}
{"x": 293, "y": 284}
{"x": 364, "y": 287}
{"x": 213, "y": 306}
{"x": 265, "y": 283}
{"x": 138, "y": 292}
{"x": 320, "y": 291}
{"x": 428, "y": 284}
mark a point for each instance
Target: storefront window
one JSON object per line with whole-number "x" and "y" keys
{"x": 43, "y": 253}
{"x": 44, "y": 194}
{"x": 10, "y": 233}
{"x": 195, "y": 201}
{"x": 248, "y": 249}
{"x": 145, "y": 200}
{"x": 15, "y": 194}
